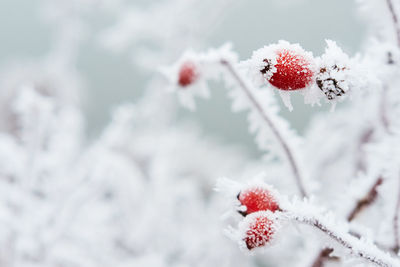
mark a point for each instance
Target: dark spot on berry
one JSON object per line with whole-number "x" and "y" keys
{"x": 267, "y": 66}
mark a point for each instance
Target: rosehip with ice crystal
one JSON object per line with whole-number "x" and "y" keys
{"x": 257, "y": 198}
{"x": 258, "y": 229}
{"x": 187, "y": 74}
{"x": 290, "y": 69}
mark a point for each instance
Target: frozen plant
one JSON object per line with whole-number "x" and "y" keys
{"x": 141, "y": 193}
{"x": 348, "y": 161}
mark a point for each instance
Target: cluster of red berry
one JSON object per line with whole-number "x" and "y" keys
{"x": 258, "y": 226}
{"x": 292, "y": 70}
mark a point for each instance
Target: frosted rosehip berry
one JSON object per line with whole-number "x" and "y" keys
{"x": 258, "y": 229}
{"x": 331, "y": 81}
{"x": 292, "y": 70}
{"x": 187, "y": 74}
{"x": 256, "y": 198}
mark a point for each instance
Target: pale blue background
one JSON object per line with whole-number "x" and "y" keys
{"x": 111, "y": 79}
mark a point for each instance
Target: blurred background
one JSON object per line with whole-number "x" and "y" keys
{"x": 113, "y": 76}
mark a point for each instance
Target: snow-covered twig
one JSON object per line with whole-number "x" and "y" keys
{"x": 356, "y": 246}
{"x": 286, "y": 148}
{"x": 364, "y": 202}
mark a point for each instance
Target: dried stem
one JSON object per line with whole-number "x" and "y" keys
{"x": 287, "y": 149}
{"x": 324, "y": 254}
{"x": 396, "y": 224}
{"x": 365, "y": 138}
{"x": 395, "y": 20}
{"x": 383, "y": 110}
{"x": 361, "y": 204}
{"x": 367, "y": 200}
{"x": 356, "y": 246}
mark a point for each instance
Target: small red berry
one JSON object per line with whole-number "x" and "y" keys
{"x": 293, "y": 70}
{"x": 258, "y": 229}
{"x": 187, "y": 74}
{"x": 257, "y": 198}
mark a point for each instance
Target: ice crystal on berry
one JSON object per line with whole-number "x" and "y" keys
{"x": 258, "y": 198}
{"x": 258, "y": 229}
{"x": 293, "y": 71}
{"x": 286, "y": 66}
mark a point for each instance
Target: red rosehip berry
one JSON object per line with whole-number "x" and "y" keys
{"x": 258, "y": 229}
{"x": 257, "y": 198}
{"x": 187, "y": 74}
{"x": 292, "y": 70}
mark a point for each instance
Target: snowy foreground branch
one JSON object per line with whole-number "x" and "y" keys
{"x": 356, "y": 246}
{"x": 361, "y": 204}
{"x": 266, "y": 212}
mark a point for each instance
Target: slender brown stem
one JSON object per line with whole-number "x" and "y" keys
{"x": 383, "y": 110}
{"x": 396, "y": 224}
{"x": 367, "y": 200}
{"x": 288, "y": 151}
{"x": 395, "y": 20}
{"x": 365, "y": 138}
{"x": 361, "y": 204}
{"x": 356, "y": 246}
{"x": 324, "y": 254}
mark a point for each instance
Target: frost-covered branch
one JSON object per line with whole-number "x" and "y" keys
{"x": 356, "y": 246}
{"x": 265, "y": 211}
{"x": 363, "y": 203}
{"x": 287, "y": 149}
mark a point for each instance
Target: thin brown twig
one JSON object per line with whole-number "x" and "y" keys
{"x": 365, "y": 138}
{"x": 396, "y": 247}
{"x": 365, "y": 201}
{"x": 395, "y": 20}
{"x": 320, "y": 260}
{"x": 293, "y": 163}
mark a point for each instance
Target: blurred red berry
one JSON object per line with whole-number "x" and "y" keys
{"x": 259, "y": 230}
{"x": 293, "y": 70}
{"x": 187, "y": 74}
{"x": 257, "y": 198}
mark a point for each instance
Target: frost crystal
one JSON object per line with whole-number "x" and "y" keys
{"x": 334, "y": 76}
{"x": 258, "y": 230}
